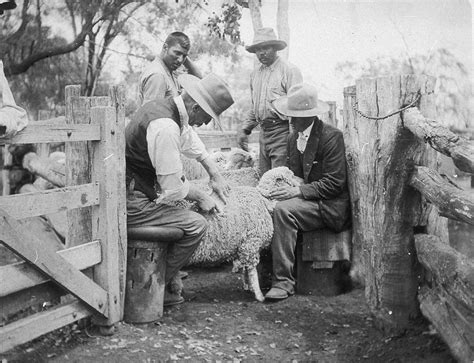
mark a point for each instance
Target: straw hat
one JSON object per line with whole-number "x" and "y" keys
{"x": 265, "y": 36}
{"x": 210, "y": 92}
{"x": 301, "y": 101}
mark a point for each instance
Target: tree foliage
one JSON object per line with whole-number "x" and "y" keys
{"x": 454, "y": 94}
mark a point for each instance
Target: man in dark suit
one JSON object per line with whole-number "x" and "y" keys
{"x": 316, "y": 154}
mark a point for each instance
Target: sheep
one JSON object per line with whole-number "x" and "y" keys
{"x": 234, "y": 159}
{"x": 243, "y": 229}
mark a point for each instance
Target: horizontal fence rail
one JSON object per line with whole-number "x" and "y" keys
{"x": 96, "y": 131}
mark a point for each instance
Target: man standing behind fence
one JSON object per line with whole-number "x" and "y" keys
{"x": 159, "y": 132}
{"x": 160, "y": 78}
{"x": 270, "y": 80}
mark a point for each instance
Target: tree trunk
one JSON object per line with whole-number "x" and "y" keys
{"x": 283, "y": 27}
{"x": 381, "y": 155}
{"x": 255, "y": 15}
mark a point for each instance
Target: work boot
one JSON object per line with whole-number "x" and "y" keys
{"x": 171, "y": 299}
{"x": 175, "y": 286}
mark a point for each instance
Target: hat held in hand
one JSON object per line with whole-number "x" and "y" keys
{"x": 301, "y": 101}
{"x": 264, "y": 37}
{"x": 211, "y": 93}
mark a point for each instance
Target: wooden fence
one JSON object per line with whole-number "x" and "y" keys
{"x": 93, "y": 183}
{"x": 399, "y": 205}
{"x": 399, "y": 202}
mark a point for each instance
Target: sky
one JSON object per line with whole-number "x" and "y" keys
{"x": 324, "y": 33}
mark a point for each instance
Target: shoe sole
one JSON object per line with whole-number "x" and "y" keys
{"x": 177, "y": 302}
{"x": 276, "y": 297}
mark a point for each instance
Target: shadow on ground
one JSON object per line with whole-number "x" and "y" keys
{"x": 221, "y": 322}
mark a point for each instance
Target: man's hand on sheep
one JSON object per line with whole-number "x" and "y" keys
{"x": 285, "y": 192}
{"x": 217, "y": 182}
{"x": 205, "y": 202}
{"x": 220, "y": 186}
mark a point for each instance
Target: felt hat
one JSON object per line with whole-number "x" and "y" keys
{"x": 301, "y": 101}
{"x": 265, "y": 36}
{"x": 210, "y": 92}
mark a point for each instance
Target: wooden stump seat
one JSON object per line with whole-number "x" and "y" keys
{"x": 146, "y": 266}
{"x": 321, "y": 262}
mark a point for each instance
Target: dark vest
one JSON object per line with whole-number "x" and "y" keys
{"x": 138, "y": 163}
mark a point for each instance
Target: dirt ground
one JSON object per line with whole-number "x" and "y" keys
{"x": 219, "y": 321}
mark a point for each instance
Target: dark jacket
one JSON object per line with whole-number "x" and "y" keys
{"x": 323, "y": 168}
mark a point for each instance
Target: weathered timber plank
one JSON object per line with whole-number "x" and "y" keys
{"x": 380, "y": 155}
{"x": 43, "y": 257}
{"x": 223, "y": 139}
{"x": 50, "y": 201}
{"x": 22, "y": 275}
{"x": 104, "y": 216}
{"x": 35, "y": 133}
{"x": 29, "y": 301}
{"x": 117, "y": 96}
{"x": 31, "y": 327}
{"x": 460, "y": 149}
{"x": 453, "y": 323}
{"x": 449, "y": 268}
{"x": 451, "y": 200}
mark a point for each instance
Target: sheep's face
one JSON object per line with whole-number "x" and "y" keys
{"x": 277, "y": 177}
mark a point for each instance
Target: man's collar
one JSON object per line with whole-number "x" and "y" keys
{"x": 272, "y": 66}
{"x": 183, "y": 114}
{"x": 306, "y": 132}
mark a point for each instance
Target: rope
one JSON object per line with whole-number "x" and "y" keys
{"x": 412, "y": 104}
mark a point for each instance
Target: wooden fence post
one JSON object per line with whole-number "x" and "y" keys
{"x": 78, "y": 162}
{"x": 386, "y": 211}
{"x": 105, "y": 222}
{"x": 117, "y": 96}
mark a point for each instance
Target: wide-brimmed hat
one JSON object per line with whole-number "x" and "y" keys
{"x": 210, "y": 92}
{"x": 265, "y": 36}
{"x": 301, "y": 101}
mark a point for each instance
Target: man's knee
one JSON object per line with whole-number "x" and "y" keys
{"x": 199, "y": 224}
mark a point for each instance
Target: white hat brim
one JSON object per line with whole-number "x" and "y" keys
{"x": 281, "y": 105}
{"x": 192, "y": 87}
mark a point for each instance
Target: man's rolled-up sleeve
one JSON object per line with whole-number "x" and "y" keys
{"x": 163, "y": 141}
{"x": 191, "y": 144}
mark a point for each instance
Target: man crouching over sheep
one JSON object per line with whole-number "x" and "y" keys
{"x": 315, "y": 153}
{"x": 159, "y": 132}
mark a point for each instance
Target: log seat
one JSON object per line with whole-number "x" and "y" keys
{"x": 322, "y": 262}
{"x": 145, "y": 285}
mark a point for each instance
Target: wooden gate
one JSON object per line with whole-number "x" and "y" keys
{"x": 47, "y": 274}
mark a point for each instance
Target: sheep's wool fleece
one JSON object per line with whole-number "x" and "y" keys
{"x": 277, "y": 177}
{"x": 240, "y": 177}
{"x": 239, "y": 233}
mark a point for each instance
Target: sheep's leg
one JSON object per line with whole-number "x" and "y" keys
{"x": 252, "y": 276}
{"x": 245, "y": 279}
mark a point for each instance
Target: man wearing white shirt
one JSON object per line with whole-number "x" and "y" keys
{"x": 316, "y": 154}
{"x": 159, "y": 132}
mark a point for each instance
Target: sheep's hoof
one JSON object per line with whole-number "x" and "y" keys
{"x": 259, "y": 297}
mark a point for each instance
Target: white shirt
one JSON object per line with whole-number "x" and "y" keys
{"x": 166, "y": 142}
{"x": 303, "y": 137}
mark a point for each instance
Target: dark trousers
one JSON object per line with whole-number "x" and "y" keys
{"x": 289, "y": 216}
{"x": 273, "y": 145}
{"x": 143, "y": 212}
